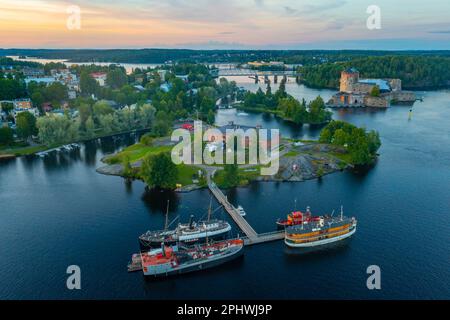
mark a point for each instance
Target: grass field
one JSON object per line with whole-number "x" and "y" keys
{"x": 22, "y": 150}
{"x": 136, "y": 152}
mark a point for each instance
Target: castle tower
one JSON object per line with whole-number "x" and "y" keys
{"x": 349, "y": 77}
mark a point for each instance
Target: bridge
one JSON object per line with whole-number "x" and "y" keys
{"x": 251, "y": 236}
{"x": 253, "y": 73}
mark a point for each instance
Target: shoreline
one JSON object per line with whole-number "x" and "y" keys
{"x": 45, "y": 148}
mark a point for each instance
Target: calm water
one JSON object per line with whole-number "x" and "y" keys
{"x": 58, "y": 211}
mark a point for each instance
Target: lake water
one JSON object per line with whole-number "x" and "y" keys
{"x": 57, "y": 211}
{"x": 128, "y": 66}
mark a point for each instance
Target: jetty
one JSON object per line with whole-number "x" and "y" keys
{"x": 251, "y": 236}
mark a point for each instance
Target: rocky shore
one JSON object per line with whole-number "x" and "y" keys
{"x": 308, "y": 161}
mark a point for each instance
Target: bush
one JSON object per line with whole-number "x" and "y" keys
{"x": 147, "y": 139}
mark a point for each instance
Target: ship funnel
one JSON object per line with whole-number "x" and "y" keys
{"x": 191, "y": 221}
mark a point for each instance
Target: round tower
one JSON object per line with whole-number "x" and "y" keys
{"x": 349, "y": 77}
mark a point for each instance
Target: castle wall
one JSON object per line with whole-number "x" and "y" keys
{"x": 377, "y": 102}
{"x": 362, "y": 88}
{"x": 403, "y": 96}
{"x": 396, "y": 84}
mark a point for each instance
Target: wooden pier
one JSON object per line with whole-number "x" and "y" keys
{"x": 252, "y": 237}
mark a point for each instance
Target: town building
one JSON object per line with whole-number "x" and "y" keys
{"x": 264, "y": 143}
{"x": 162, "y": 74}
{"x": 46, "y": 80}
{"x": 33, "y": 72}
{"x": 185, "y": 78}
{"x": 24, "y": 105}
{"x": 100, "y": 77}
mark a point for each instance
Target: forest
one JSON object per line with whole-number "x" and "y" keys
{"x": 416, "y": 72}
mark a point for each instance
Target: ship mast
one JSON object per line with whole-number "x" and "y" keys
{"x": 209, "y": 209}
{"x": 342, "y": 213}
{"x": 166, "y": 224}
{"x": 209, "y": 217}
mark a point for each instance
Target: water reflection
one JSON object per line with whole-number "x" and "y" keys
{"x": 317, "y": 253}
{"x": 156, "y": 200}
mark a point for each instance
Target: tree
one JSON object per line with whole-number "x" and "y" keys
{"x": 107, "y": 123}
{"x": 375, "y": 92}
{"x": 88, "y": 85}
{"x": 90, "y": 127}
{"x": 127, "y": 168}
{"x": 6, "y": 136}
{"x": 361, "y": 145}
{"x": 26, "y": 125}
{"x": 231, "y": 175}
{"x": 159, "y": 171}
{"x": 6, "y": 106}
{"x": 11, "y": 89}
{"x": 268, "y": 89}
{"x": 318, "y": 112}
{"x": 147, "y": 115}
{"x": 281, "y": 92}
{"x": 56, "y": 92}
{"x": 116, "y": 78}
{"x": 38, "y": 99}
{"x": 210, "y": 118}
{"x": 57, "y": 130}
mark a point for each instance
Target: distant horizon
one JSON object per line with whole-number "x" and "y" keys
{"x": 231, "y": 25}
{"x": 224, "y": 49}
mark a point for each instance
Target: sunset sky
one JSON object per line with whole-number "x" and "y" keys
{"x": 232, "y": 24}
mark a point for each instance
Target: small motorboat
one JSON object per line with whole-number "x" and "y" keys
{"x": 241, "y": 211}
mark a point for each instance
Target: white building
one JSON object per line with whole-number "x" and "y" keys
{"x": 100, "y": 77}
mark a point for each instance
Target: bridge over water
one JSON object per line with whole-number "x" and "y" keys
{"x": 252, "y": 237}
{"x": 254, "y": 73}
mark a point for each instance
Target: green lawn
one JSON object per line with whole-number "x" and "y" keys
{"x": 292, "y": 153}
{"x": 245, "y": 175}
{"x": 185, "y": 174}
{"x": 345, "y": 157}
{"x": 136, "y": 152}
{"x": 22, "y": 150}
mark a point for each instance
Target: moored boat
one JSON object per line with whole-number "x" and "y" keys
{"x": 188, "y": 233}
{"x": 177, "y": 260}
{"x": 241, "y": 211}
{"x": 321, "y": 231}
{"x": 297, "y": 217}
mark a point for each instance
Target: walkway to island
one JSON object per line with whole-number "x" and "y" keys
{"x": 252, "y": 237}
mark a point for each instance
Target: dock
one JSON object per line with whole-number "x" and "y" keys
{"x": 251, "y": 236}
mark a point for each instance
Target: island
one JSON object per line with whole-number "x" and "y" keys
{"x": 341, "y": 146}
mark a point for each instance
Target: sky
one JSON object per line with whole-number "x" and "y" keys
{"x": 224, "y": 24}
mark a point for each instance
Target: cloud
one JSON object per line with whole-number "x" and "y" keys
{"x": 259, "y": 3}
{"x": 208, "y": 45}
{"x": 439, "y": 32}
{"x": 320, "y": 8}
{"x": 290, "y": 11}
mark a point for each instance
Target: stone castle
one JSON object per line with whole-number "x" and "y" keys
{"x": 356, "y": 92}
